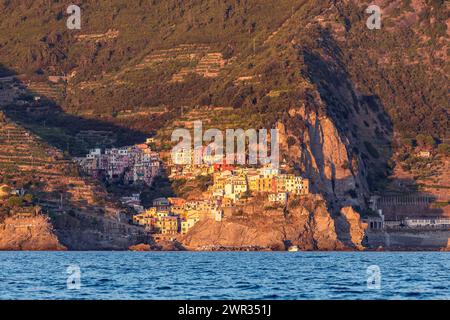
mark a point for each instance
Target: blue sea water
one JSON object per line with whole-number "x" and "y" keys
{"x": 225, "y": 275}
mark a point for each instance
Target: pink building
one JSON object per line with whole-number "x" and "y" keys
{"x": 129, "y": 164}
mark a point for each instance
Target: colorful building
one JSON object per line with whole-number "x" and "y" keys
{"x": 280, "y": 197}
{"x": 169, "y": 225}
{"x": 187, "y": 224}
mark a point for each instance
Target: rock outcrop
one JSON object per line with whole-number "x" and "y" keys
{"x": 350, "y": 228}
{"x": 325, "y": 156}
{"x": 140, "y": 247}
{"x": 305, "y": 223}
{"x": 31, "y": 233}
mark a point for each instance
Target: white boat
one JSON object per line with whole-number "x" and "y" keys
{"x": 293, "y": 249}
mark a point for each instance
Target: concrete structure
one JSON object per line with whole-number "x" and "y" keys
{"x": 435, "y": 222}
{"x": 217, "y": 214}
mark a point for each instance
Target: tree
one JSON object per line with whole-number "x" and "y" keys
{"x": 28, "y": 198}
{"x": 420, "y": 139}
{"x": 430, "y": 141}
{"x": 15, "y": 201}
{"x": 408, "y": 142}
{"x": 425, "y": 140}
{"x": 444, "y": 149}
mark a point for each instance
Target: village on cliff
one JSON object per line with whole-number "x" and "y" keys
{"x": 228, "y": 187}
{"x": 167, "y": 217}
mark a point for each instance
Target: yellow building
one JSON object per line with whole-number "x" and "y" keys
{"x": 182, "y": 157}
{"x": 178, "y": 210}
{"x": 253, "y": 183}
{"x": 151, "y": 211}
{"x": 239, "y": 184}
{"x": 220, "y": 179}
{"x": 235, "y": 187}
{"x": 162, "y": 214}
{"x": 265, "y": 184}
{"x": 305, "y": 187}
{"x": 187, "y": 224}
{"x": 192, "y": 214}
{"x": 298, "y": 185}
{"x": 146, "y": 219}
{"x": 169, "y": 225}
{"x": 291, "y": 184}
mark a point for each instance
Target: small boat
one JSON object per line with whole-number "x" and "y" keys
{"x": 293, "y": 249}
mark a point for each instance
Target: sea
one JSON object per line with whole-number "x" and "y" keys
{"x": 224, "y": 275}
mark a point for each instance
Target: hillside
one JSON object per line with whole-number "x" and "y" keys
{"x": 125, "y": 48}
{"x": 355, "y": 107}
{"x": 82, "y": 214}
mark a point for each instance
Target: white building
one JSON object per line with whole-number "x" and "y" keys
{"x": 94, "y": 153}
{"x": 182, "y": 157}
{"x": 269, "y": 171}
{"x": 187, "y": 224}
{"x": 427, "y": 222}
{"x": 132, "y": 164}
{"x": 280, "y": 197}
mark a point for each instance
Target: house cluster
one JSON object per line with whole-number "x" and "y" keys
{"x": 172, "y": 216}
{"x": 133, "y": 164}
{"x": 232, "y": 184}
{"x": 189, "y": 164}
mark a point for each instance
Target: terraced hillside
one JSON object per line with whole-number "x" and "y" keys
{"x": 83, "y": 215}
{"x": 346, "y": 97}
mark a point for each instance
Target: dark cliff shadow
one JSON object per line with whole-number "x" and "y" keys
{"x": 364, "y": 126}
{"x": 44, "y": 116}
{"x": 359, "y": 117}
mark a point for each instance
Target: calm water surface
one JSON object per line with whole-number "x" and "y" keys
{"x": 224, "y": 275}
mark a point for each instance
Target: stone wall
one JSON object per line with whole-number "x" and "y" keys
{"x": 409, "y": 240}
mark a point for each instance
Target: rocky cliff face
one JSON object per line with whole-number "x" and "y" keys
{"x": 325, "y": 156}
{"x": 305, "y": 223}
{"x": 351, "y": 229}
{"x": 34, "y": 234}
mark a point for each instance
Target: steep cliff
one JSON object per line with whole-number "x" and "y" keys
{"x": 351, "y": 229}
{"x": 325, "y": 156}
{"x": 305, "y": 223}
{"x": 31, "y": 233}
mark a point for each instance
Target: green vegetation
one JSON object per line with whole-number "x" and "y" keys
{"x": 203, "y": 182}
{"x": 13, "y": 201}
{"x": 425, "y": 140}
{"x": 444, "y": 149}
{"x": 292, "y": 53}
